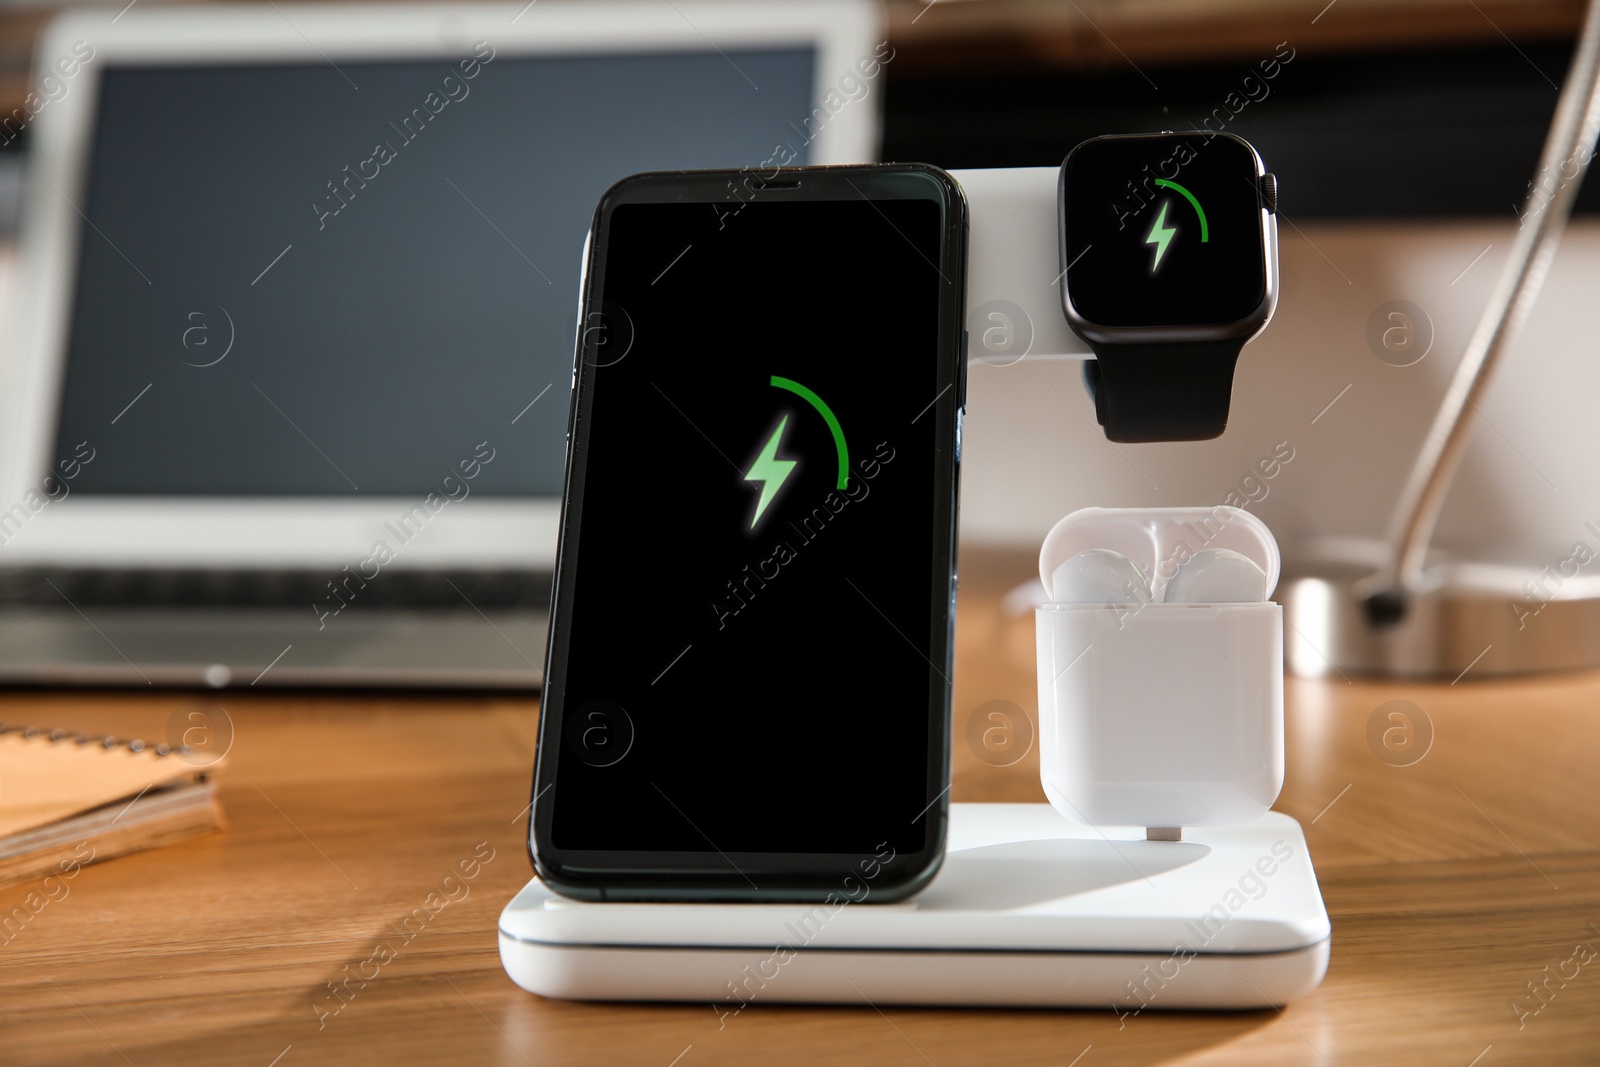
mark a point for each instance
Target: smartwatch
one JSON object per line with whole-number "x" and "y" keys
{"x": 1169, "y": 257}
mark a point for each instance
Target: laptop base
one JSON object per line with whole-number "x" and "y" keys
{"x": 221, "y": 648}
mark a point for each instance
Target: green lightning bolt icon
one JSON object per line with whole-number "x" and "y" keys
{"x": 1160, "y": 235}
{"x": 770, "y": 471}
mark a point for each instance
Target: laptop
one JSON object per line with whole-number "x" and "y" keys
{"x": 290, "y": 353}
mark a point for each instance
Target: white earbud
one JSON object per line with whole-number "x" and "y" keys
{"x": 1217, "y": 576}
{"x": 1099, "y": 576}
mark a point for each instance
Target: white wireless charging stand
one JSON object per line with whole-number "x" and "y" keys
{"x": 1014, "y": 309}
{"x": 1028, "y": 909}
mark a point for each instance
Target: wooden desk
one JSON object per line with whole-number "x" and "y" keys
{"x": 1451, "y": 883}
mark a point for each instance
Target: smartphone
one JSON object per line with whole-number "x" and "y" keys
{"x": 747, "y": 686}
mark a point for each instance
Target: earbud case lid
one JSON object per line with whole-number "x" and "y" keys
{"x": 1160, "y": 539}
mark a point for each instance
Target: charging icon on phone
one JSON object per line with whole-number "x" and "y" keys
{"x": 770, "y": 471}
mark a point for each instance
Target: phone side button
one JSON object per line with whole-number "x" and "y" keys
{"x": 961, "y": 372}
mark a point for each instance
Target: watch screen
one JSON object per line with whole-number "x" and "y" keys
{"x": 1163, "y": 231}
{"x": 748, "y": 653}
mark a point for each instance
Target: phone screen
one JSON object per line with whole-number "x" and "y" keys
{"x": 752, "y": 633}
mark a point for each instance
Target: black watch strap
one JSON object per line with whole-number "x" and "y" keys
{"x": 1162, "y": 392}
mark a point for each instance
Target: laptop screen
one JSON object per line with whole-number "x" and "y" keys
{"x": 328, "y": 280}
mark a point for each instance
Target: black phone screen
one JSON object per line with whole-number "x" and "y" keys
{"x": 752, "y": 632}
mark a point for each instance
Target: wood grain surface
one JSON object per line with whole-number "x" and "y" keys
{"x": 1452, "y": 882}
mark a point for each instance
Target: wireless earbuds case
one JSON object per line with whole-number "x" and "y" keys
{"x": 1155, "y": 714}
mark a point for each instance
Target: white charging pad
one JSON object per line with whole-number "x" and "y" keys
{"x": 1028, "y": 910}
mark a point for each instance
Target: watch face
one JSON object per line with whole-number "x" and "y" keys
{"x": 1164, "y": 230}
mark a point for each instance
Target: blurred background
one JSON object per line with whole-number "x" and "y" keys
{"x": 1404, "y": 134}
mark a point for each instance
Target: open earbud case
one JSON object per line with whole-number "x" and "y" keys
{"x": 1154, "y": 713}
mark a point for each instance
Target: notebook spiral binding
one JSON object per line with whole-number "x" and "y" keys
{"x": 133, "y": 744}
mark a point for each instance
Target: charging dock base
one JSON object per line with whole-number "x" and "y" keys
{"x": 1028, "y": 910}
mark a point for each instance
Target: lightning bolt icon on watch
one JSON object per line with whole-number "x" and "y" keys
{"x": 771, "y": 472}
{"x": 1161, "y": 234}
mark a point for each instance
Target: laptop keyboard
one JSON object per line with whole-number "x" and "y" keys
{"x": 159, "y": 587}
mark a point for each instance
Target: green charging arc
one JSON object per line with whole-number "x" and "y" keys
{"x": 827, "y": 416}
{"x": 1205, "y": 230}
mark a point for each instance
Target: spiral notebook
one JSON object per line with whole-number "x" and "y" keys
{"x": 67, "y": 799}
